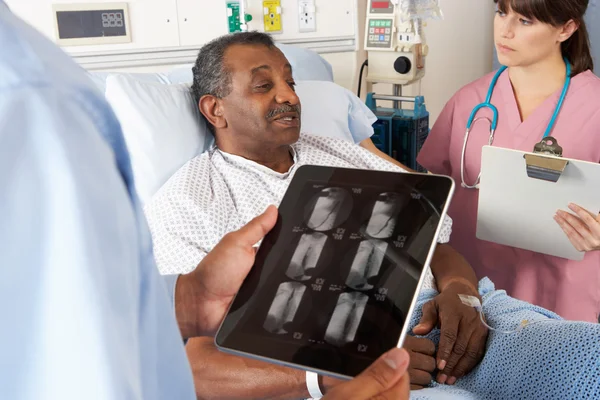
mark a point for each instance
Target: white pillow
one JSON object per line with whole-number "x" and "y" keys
{"x": 162, "y": 128}
{"x": 332, "y": 110}
{"x": 99, "y": 77}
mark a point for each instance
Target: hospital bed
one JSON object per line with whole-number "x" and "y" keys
{"x": 163, "y": 128}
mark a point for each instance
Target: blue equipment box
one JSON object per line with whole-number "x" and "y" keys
{"x": 401, "y": 133}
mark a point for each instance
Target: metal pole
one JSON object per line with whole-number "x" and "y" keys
{"x": 397, "y": 93}
{"x": 393, "y": 98}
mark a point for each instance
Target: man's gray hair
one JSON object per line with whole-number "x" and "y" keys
{"x": 210, "y": 75}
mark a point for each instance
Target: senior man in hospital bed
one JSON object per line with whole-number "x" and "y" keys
{"x": 244, "y": 88}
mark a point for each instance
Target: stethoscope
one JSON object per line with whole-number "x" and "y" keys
{"x": 494, "y": 122}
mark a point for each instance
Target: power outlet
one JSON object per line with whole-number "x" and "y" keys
{"x": 272, "y": 16}
{"x": 307, "y": 16}
{"x": 406, "y": 37}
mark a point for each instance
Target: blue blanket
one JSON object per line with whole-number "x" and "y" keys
{"x": 557, "y": 359}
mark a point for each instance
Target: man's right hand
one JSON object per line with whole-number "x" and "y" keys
{"x": 203, "y": 296}
{"x": 386, "y": 378}
{"x": 422, "y": 361}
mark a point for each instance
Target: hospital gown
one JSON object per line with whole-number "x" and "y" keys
{"x": 84, "y": 312}
{"x": 216, "y": 193}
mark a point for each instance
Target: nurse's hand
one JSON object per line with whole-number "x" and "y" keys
{"x": 203, "y": 296}
{"x": 462, "y": 335}
{"x": 385, "y": 379}
{"x": 582, "y": 229}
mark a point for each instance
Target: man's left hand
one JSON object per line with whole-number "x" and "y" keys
{"x": 462, "y": 337}
{"x": 582, "y": 229}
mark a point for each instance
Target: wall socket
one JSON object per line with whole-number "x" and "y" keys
{"x": 307, "y": 16}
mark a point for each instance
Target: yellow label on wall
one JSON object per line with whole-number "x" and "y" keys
{"x": 272, "y": 15}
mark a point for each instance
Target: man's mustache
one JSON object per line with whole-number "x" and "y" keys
{"x": 286, "y": 108}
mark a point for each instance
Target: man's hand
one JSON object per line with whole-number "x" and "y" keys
{"x": 462, "y": 337}
{"x": 203, "y": 296}
{"x": 582, "y": 229}
{"x": 422, "y": 361}
{"x": 386, "y": 379}
{"x": 218, "y": 375}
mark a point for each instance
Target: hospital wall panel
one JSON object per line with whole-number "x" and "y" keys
{"x": 336, "y": 19}
{"x": 170, "y": 30}
{"x": 168, "y": 33}
{"x": 201, "y": 21}
{"x": 153, "y": 22}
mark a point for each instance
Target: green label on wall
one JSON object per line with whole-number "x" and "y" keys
{"x": 233, "y": 16}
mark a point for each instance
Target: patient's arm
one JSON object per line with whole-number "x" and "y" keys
{"x": 449, "y": 267}
{"x": 218, "y": 375}
{"x": 368, "y": 144}
{"x": 463, "y": 337}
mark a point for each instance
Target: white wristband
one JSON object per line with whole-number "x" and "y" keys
{"x": 312, "y": 384}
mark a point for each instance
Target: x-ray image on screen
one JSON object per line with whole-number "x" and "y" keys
{"x": 385, "y": 215}
{"x": 366, "y": 264}
{"x": 328, "y": 209}
{"x": 284, "y": 307}
{"x": 346, "y": 318}
{"x": 307, "y": 254}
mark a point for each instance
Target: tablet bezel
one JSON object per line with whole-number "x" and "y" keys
{"x": 305, "y": 174}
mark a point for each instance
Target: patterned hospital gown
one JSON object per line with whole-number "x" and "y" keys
{"x": 216, "y": 193}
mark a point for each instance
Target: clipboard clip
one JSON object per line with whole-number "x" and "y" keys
{"x": 546, "y": 163}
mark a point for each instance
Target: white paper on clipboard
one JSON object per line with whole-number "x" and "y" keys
{"x": 518, "y": 211}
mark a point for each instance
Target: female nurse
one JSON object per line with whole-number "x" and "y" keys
{"x": 535, "y": 39}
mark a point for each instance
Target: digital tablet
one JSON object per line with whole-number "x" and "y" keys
{"x": 335, "y": 282}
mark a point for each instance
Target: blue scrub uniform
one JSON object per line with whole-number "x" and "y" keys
{"x": 84, "y": 312}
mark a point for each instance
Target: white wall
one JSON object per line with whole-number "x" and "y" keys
{"x": 177, "y": 28}
{"x": 344, "y": 68}
{"x": 346, "y": 65}
{"x": 460, "y": 50}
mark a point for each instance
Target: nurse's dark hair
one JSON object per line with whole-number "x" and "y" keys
{"x": 557, "y": 13}
{"x": 211, "y": 76}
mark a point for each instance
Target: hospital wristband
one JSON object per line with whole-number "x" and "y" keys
{"x": 312, "y": 384}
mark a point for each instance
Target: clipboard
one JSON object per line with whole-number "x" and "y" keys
{"x": 520, "y": 193}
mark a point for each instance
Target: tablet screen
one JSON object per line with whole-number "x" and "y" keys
{"x": 334, "y": 282}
